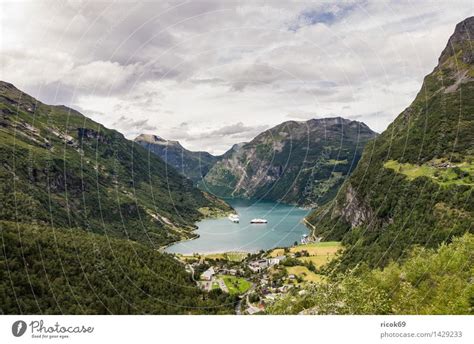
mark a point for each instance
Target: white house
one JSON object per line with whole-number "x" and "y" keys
{"x": 275, "y": 260}
{"x": 258, "y": 265}
{"x": 208, "y": 274}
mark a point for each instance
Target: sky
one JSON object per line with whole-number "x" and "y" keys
{"x": 214, "y": 73}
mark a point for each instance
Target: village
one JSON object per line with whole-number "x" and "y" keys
{"x": 261, "y": 278}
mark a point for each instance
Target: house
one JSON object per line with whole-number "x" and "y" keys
{"x": 208, "y": 274}
{"x": 275, "y": 260}
{"x": 258, "y": 265}
{"x": 252, "y": 310}
{"x": 270, "y": 297}
{"x": 232, "y": 272}
{"x": 304, "y": 239}
{"x": 284, "y": 289}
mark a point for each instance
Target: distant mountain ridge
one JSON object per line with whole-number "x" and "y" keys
{"x": 193, "y": 165}
{"x": 294, "y": 162}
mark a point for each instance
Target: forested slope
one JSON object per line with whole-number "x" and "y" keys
{"x": 414, "y": 182}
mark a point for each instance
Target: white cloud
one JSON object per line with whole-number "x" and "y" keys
{"x": 218, "y": 66}
{"x": 100, "y": 75}
{"x": 28, "y": 67}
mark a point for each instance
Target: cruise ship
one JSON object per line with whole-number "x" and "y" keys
{"x": 258, "y": 221}
{"x": 234, "y": 218}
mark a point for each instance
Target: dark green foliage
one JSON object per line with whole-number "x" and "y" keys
{"x": 59, "y": 271}
{"x": 428, "y": 282}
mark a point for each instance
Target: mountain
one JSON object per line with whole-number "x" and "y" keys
{"x": 63, "y": 169}
{"x": 72, "y": 195}
{"x": 414, "y": 183}
{"x": 295, "y": 162}
{"x": 193, "y": 165}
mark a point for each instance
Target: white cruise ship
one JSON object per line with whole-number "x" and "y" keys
{"x": 234, "y": 218}
{"x": 258, "y": 221}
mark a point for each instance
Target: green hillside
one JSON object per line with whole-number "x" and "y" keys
{"x": 60, "y": 167}
{"x": 61, "y": 271}
{"x": 414, "y": 183}
{"x": 429, "y": 282}
{"x": 73, "y": 194}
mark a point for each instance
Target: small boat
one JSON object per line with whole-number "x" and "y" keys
{"x": 258, "y": 221}
{"x": 234, "y": 218}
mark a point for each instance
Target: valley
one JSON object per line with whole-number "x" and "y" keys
{"x": 261, "y": 279}
{"x": 302, "y": 163}
{"x": 329, "y": 217}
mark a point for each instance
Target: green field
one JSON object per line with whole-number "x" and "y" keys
{"x": 230, "y": 256}
{"x": 459, "y": 174}
{"x": 320, "y": 253}
{"x": 304, "y": 273}
{"x": 236, "y": 285}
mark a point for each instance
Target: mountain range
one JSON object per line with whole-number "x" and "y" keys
{"x": 294, "y": 162}
{"x": 66, "y": 168}
{"x": 300, "y": 163}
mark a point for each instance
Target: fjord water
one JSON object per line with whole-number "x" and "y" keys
{"x": 284, "y": 227}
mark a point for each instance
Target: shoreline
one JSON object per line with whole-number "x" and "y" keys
{"x": 163, "y": 248}
{"x": 195, "y": 235}
{"x": 221, "y": 215}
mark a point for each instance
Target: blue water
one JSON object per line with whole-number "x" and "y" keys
{"x": 284, "y": 227}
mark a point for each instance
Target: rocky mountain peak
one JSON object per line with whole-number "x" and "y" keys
{"x": 297, "y": 162}
{"x": 335, "y": 121}
{"x": 461, "y": 40}
{"x": 193, "y": 165}
{"x": 155, "y": 139}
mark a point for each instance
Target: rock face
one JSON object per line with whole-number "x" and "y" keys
{"x": 193, "y": 165}
{"x": 460, "y": 43}
{"x": 414, "y": 182}
{"x": 295, "y": 162}
{"x": 355, "y": 211}
{"x": 61, "y": 168}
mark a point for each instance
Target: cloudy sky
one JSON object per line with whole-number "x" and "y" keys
{"x": 214, "y": 73}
